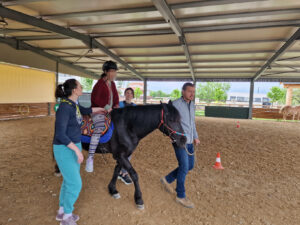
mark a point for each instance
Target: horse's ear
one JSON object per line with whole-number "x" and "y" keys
{"x": 164, "y": 106}
{"x": 160, "y": 102}
{"x": 170, "y": 102}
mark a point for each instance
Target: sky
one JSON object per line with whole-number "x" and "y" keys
{"x": 242, "y": 87}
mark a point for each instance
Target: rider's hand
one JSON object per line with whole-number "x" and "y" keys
{"x": 98, "y": 110}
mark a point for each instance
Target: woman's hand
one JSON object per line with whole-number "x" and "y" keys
{"x": 77, "y": 151}
{"x": 79, "y": 156}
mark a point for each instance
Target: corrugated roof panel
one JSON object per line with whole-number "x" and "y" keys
{"x": 146, "y": 40}
{"x": 236, "y": 47}
{"x": 238, "y": 35}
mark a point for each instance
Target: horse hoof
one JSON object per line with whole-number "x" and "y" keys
{"x": 57, "y": 174}
{"x": 140, "y": 207}
{"x": 116, "y": 196}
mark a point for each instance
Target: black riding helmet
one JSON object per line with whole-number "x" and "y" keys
{"x": 108, "y": 65}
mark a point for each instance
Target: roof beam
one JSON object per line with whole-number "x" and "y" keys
{"x": 240, "y": 15}
{"x": 167, "y": 14}
{"x": 204, "y": 43}
{"x": 23, "y": 18}
{"x": 99, "y": 13}
{"x": 283, "y": 49}
{"x": 19, "y": 2}
{"x": 184, "y": 61}
{"x": 197, "y": 67}
{"x": 8, "y": 30}
{"x": 193, "y": 54}
{"x": 241, "y": 26}
{"x": 209, "y": 3}
{"x": 144, "y": 9}
{"x": 24, "y": 46}
{"x": 123, "y": 24}
{"x": 191, "y": 19}
{"x": 41, "y": 37}
{"x": 176, "y": 45}
{"x": 215, "y": 79}
{"x": 223, "y": 27}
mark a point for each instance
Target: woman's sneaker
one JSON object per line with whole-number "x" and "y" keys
{"x": 125, "y": 178}
{"x": 59, "y": 217}
{"x": 69, "y": 221}
{"x": 89, "y": 166}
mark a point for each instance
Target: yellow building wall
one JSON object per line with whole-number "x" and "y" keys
{"x": 25, "y": 85}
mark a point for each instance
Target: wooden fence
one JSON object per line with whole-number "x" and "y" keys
{"x": 268, "y": 114}
{"x": 24, "y": 110}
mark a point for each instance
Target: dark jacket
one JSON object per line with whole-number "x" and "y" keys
{"x": 68, "y": 122}
{"x": 100, "y": 94}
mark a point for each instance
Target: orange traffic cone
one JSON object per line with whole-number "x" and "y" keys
{"x": 238, "y": 124}
{"x": 218, "y": 164}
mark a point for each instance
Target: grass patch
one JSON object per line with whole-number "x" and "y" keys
{"x": 200, "y": 113}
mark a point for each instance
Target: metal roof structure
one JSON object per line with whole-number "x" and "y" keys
{"x": 233, "y": 40}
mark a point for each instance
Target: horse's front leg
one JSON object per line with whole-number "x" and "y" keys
{"x": 134, "y": 176}
{"x": 112, "y": 185}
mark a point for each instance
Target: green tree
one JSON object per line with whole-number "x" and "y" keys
{"x": 158, "y": 93}
{"x": 175, "y": 94}
{"x": 137, "y": 93}
{"x": 212, "y": 91}
{"x": 87, "y": 84}
{"x": 277, "y": 94}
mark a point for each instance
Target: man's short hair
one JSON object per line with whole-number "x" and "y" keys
{"x": 188, "y": 84}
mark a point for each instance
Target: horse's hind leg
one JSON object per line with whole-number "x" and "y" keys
{"x": 112, "y": 185}
{"x": 134, "y": 176}
{"x": 57, "y": 171}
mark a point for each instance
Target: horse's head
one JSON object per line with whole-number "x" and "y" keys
{"x": 170, "y": 124}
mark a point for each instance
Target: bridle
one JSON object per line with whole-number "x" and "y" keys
{"x": 171, "y": 131}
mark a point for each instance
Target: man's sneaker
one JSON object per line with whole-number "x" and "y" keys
{"x": 185, "y": 202}
{"x": 59, "y": 217}
{"x": 89, "y": 167}
{"x": 69, "y": 221}
{"x": 125, "y": 178}
{"x": 166, "y": 185}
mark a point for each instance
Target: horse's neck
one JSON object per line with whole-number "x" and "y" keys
{"x": 148, "y": 123}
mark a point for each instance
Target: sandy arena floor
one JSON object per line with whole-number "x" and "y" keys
{"x": 260, "y": 183}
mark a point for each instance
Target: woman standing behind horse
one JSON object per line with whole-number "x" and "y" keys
{"x": 129, "y": 95}
{"x": 67, "y": 147}
{"x": 104, "y": 95}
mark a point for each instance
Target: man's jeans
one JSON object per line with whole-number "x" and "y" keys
{"x": 185, "y": 163}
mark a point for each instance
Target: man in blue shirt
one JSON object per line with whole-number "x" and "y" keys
{"x": 185, "y": 156}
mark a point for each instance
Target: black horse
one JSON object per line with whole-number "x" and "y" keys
{"x": 131, "y": 125}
